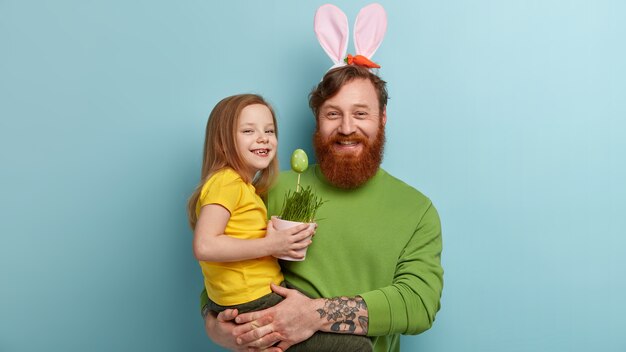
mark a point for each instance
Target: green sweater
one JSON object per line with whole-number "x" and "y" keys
{"x": 381, "y": 241}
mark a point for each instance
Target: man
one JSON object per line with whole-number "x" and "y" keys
{"x": 376, "y": 252}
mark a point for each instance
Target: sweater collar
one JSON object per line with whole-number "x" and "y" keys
{"x": 369, "y": 183}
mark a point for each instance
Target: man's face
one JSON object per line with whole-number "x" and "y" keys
{"x": 353, "y": 111}
{"x": 350, "y": 135}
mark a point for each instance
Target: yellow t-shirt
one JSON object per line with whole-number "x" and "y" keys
{"x": 234, "y": 283}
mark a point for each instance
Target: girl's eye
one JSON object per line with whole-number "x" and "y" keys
{"x": 247, "y": 131}
{"x": 269, "y": 131}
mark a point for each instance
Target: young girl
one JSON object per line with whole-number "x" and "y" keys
{"x": 232, "y": 241}
{"x": 234, "y": 244}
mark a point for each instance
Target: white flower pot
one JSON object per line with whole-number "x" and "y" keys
{"x": 280, "y": 224}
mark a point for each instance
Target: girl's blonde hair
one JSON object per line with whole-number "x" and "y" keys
{"x": 220, "y": 148}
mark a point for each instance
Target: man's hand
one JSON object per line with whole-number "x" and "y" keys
{"x": 291, "y": 321}
{"x": 220, "y": 330}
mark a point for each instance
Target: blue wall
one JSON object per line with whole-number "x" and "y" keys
{"x": 509, "y": 114}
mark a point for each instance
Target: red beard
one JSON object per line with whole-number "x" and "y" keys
{"x": 345, "y": 170}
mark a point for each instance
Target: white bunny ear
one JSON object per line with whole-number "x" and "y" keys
{"x": 331, "y": 29}
{"x": 369, "y": 29}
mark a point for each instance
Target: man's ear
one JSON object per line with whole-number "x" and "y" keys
{"x": 383, "y": 117}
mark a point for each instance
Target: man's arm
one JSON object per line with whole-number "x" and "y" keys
{"x": 407, "y": 306}
{"x": 344, "y": 315}
{"x": 410, "y": 303}
{"x": 298, "y": 317}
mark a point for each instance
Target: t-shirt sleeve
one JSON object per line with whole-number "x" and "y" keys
{"x": 223, "y": 188}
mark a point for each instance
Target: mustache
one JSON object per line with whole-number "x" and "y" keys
{"x": 354, "y": 137}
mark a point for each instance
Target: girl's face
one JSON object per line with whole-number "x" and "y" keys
{"x": 256, "y": 137}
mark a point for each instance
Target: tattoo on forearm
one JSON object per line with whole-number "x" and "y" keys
{"x": 364, "y": 321}
{"x": 344, "y": 312}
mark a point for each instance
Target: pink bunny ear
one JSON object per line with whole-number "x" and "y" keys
{"x": 369, "y": 29}
{"x": 331, "y": 29}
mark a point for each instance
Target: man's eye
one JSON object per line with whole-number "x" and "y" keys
{"x": 332, "y": 115}
{"x": 360, "y": 114}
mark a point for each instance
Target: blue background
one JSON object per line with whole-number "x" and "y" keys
{"x": 509, "y": 114}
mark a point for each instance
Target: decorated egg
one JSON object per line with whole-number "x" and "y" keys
{"x": 299, "y": 161}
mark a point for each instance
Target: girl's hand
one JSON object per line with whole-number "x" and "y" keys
{"x": 289, "y": 242}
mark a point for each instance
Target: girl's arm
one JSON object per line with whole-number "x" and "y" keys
{"x": 211, "y": 244}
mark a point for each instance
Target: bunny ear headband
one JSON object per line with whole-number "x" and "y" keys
{"x": 331, "y": 29}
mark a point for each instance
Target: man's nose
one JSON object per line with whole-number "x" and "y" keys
{"x": 347, "y": 125}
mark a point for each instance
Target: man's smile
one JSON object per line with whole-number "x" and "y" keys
{"x": 352, "y": 144}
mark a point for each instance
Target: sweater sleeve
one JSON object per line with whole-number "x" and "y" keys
{"x": 409, "y": 304}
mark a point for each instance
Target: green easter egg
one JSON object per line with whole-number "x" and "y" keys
{"x": 299, "y": 161}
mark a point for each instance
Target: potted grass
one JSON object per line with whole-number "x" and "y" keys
{"x": 301, "y": 206}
